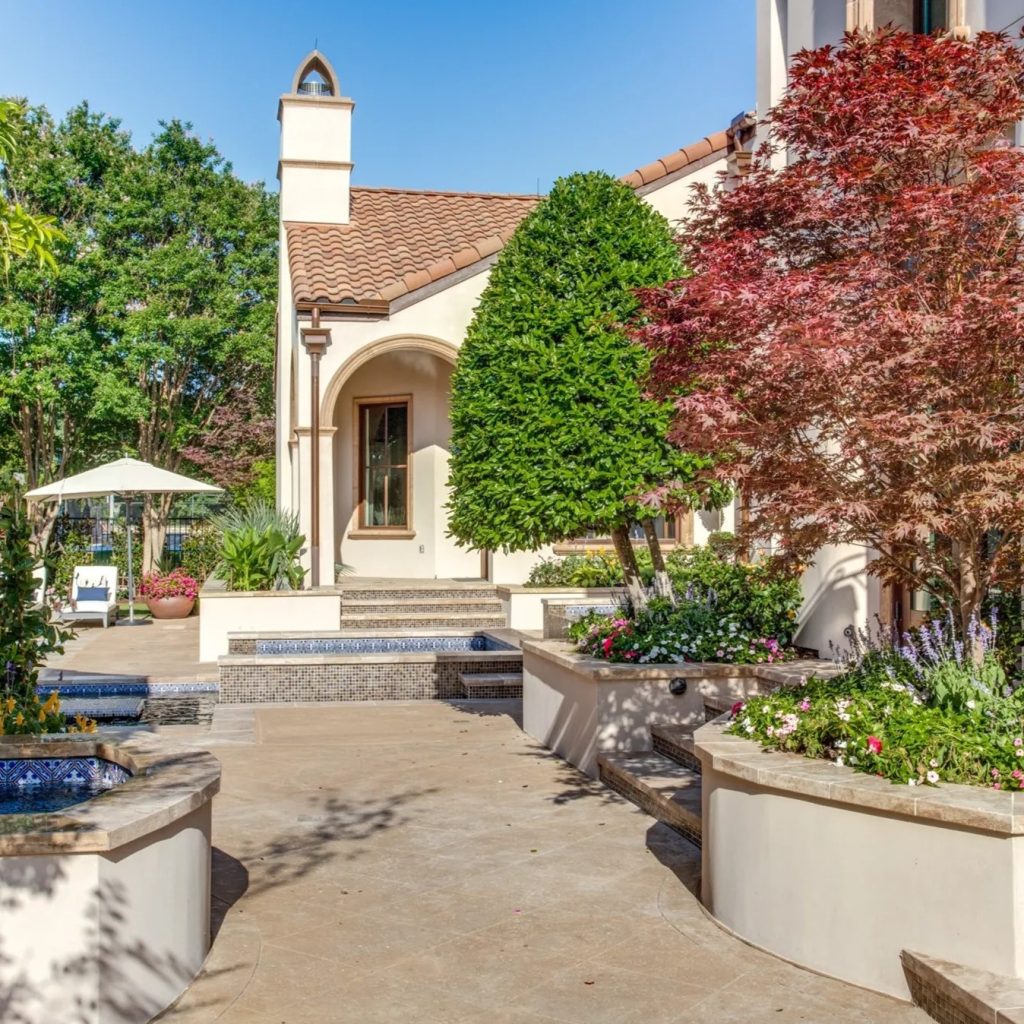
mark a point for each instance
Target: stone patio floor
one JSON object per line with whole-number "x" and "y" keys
{"x": 428, "y": 863}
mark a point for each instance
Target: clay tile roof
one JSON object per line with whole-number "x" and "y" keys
{"x": 398, "y": 241}
{"x": 678, "y": 159}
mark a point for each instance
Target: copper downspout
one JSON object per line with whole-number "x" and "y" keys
{"x": 315, "y": 339}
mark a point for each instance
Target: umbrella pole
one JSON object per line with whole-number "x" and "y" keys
{"x": 131, "y": 574}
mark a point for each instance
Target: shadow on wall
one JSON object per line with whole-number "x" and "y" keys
{"x": 836, "y": 595}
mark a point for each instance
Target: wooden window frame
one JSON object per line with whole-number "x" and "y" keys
{"x": 582, "y": 545}
{"x": 363, "y": 531}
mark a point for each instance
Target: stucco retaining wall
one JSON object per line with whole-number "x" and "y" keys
{"x": 222, "y": 612}
{"x": 106, "y": 914}
{"x": 839, "y": 871}
{"x": 524, "y": 606}
{"x": 581, "y": 707}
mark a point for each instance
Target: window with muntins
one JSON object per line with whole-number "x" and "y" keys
{"x": 384, "y": 465}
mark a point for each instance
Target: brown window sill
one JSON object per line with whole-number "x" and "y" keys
{"x": 384, "y": 533}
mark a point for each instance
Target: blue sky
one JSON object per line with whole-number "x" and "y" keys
{"x": 452, "y": 95}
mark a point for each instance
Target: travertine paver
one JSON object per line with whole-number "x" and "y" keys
{"x": 429, "y": 863}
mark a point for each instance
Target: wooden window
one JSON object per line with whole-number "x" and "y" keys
{"x": 384, "y": 464}
{"x": 925, "y": 16}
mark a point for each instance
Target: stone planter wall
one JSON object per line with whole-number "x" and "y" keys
{"x": 581, "y": 707}
{"x": 524, "y": 606}
{"x": 839, "y": 871}
{"x": 223, "y": 612}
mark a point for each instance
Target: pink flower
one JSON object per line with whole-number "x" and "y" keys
{"x": 995, "y": 773}
{"x": 874, "y": 745}
{"x": 997, "y": 785}
{"x": 606, "y": 645}
{"x": 805, "y": 705}
{"x": 1018, "y": 742}
{"x": 1017, "y": 773}
{"x": 737, "y": 708}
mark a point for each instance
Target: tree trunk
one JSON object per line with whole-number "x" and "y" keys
{"x": 630, "y": 573}
{"x": 969, "y": 598}
{"x": 155, "y": 509}
{"x": 662, "y": 584}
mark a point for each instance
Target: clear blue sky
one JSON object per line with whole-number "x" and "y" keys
{"x": 450, "y": 94}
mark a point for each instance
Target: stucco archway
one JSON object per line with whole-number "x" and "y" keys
{"x": 397, "y": 343}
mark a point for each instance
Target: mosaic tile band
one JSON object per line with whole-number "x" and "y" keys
{"x": 382, "y": 645}
{"x": 16, "y": 773}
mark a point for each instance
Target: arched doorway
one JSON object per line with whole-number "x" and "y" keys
{"x": 389, "y": 407}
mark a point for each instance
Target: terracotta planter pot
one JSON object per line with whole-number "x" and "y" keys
{"x": 170, "y": 607}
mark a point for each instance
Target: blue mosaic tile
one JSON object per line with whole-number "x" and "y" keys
{"x": 577, "y": 611}
{"x": 382, "y": 645}
{"x": 61, "y": 771}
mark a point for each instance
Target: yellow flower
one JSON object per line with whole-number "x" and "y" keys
{"x": 19, "y": 718}
{"x": 52, "y": 705}
{"x": 42, "y": 715}
{"x": 10, "y": 704}
{"x": 84, "y": 724}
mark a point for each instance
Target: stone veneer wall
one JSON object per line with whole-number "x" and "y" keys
{"x": 263, "y": 680}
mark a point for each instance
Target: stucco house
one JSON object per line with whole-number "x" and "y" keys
{"x": 378, "y": 286}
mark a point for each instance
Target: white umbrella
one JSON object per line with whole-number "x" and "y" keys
{"x": 123, "y": 476}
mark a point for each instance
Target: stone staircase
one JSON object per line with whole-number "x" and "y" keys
{"x": 440, "y": 606}
{"x": 664, "y": 781}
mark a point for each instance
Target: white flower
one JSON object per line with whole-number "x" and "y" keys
{"x": 932, "y": 777}
{"x": 853, "y": 760}
{"x": 749, "y": 728}
{"x": 841, "y": 744}
{"x": 970, "y": 705}
{"x": 838, "y": 762}
{"x": 911, "y": 782}
{"x": 933, "y": 763}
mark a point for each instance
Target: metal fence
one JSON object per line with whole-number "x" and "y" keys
{"x": 100, "y": 533}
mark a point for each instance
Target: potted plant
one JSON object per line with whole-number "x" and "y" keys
{"x": 171, "y": 595}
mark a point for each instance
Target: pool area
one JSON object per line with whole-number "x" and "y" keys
{"x": 36, "y": 785}
{"x": 116, "y": 702}
{"x": 384, "y": 645}
{"x": 345, "y": 666}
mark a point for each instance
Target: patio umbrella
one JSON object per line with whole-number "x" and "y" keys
{"x": 126, "y": 477}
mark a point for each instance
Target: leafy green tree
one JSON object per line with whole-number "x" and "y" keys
{"x": 62, "y": 395}
{"x": 551, "y": 431}
{"x": 22, "y": 234}
{"x": 188, "y": 297}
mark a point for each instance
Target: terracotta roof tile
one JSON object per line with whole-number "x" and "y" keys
{"x": 400, "y": 240}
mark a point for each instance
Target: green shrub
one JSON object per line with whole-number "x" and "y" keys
{"x": 260, "y": 548}
{"x": 763, "y": 597}
{"x": 201, "y": 552}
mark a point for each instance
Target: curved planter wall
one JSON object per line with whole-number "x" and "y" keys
{"x": 106, "y": 914}
{"x": 839, "y": 871}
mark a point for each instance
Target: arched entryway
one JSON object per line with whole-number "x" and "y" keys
{"x": 388, "y": 405}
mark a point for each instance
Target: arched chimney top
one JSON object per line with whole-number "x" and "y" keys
{"x": 315, "y": 77}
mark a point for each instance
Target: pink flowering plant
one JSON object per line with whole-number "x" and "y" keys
{"x": 920, "y": 710}
{"x": 693, "y": 630}
{"x": 173, "y": 584}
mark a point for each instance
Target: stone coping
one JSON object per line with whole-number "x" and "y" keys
{"x": 971, "y": 807}
{"x": 213, "y": 592}
{"x": 564, "y": 653}
{"x": 497, "y": 633}
{"x": 366, "y": 657}
{"x": 506, "y": 590}
{"x": 168, "y": 782}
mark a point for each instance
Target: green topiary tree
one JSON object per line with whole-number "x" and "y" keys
{"x": 551, "y": 431}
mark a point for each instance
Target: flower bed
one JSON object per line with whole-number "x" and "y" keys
{"x": 928, "y": 710}
{"x": 696, "y": 629}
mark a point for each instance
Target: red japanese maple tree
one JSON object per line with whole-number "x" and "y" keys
{"x": 851, "y": 340}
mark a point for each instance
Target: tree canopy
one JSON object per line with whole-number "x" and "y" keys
{"x": 851, "y": 341}
{"x": 552, "y": 433}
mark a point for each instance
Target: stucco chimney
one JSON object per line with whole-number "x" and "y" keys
{"x": 315, "y": 167}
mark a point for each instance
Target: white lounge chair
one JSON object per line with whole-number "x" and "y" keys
{"x": 93, "y": 594}
{"x": 39, "y": 572}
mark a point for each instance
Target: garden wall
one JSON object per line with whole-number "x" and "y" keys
{"x": 840, "y": 871}
{"x": 524, "y": 606}
{"x": 581, "y": 707}
{"x": 224, "y": 611}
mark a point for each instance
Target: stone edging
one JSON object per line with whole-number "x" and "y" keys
{"x": 564, "y": 654}
{"x": 972, "y": 807}
{"x": 168, "y": 782}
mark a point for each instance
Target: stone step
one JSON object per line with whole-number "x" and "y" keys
{"x": 398, "y": 594}
{"x": 102, "y": 707}
{"x": 676, "y": 743}
{"x": 661, "y": 787}
{"x": 413, "y": 620}
{"x": 440, "y": 606}
{"x": 953, "y": 994}
{"x": 492, "y": 685}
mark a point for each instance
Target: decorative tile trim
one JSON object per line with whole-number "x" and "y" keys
{"x": 18, "y": 773}
{"x": 376, "y": 645}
